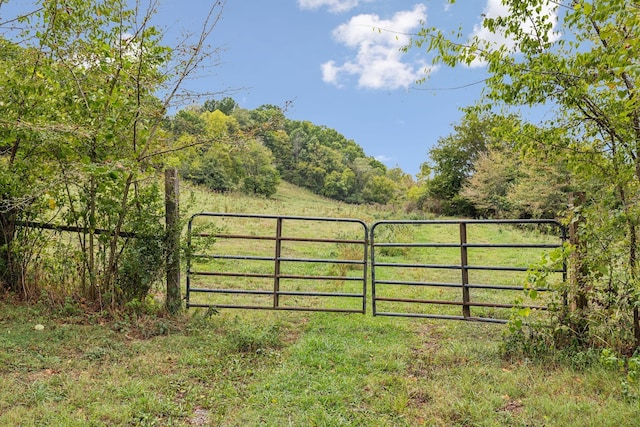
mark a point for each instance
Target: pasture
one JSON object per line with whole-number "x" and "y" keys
{"x": 290, "y": 368}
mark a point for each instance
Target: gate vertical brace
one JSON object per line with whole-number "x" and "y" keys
{"x": 189, "y": 253}
{"x": 364, "y": 269}
{"x": 565, "y": 270}
{"x": 276, "y": 271}
{"x": 372, "y": 255}
{"x": 466, "y": 309}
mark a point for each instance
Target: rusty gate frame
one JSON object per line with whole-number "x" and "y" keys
{"x": 277, "y": 259}
{"x": 466, "y": 303}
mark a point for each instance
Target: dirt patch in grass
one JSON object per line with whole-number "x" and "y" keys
{"x": 291, "y": 334}
{"x": 422, "y": 354}
{"x": 40, "y": 375}
{"x": 512, "y": 405}
{"x": 200, "y": 417}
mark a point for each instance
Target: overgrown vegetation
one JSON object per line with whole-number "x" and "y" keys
{"x": 579, "y": 60}
{"x": 81, "y": 140}
{"x": 222, "y": 367}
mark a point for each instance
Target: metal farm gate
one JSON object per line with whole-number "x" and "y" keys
{"x": 425, "y": 269}
{"x": 277, "y": 262}
{"x": 448, "y": 277}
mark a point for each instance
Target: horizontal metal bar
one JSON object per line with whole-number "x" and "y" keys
{"x": 456, "y": 267}
{"x": 469, "y": 245}
{"x": 271, "y": 308}
{"x": 416, "y": 245}
{"x": 497, "y": 305}
{"x": 283, "y": 239}
{"x": 419, "y": 301}
{"x": 459, "y": 303}
{"x": 74, "y": 229}
{"x": 286, "y": 217}
{"x": 325, "y": 261}
{"x": 495, "y": 268}
{"x": 418, "y": 315}
{"x": 506, "y": 288}
{"x": 293, "y": 276}
{"x": 234, "y": 236}
{"x": 308, "y": 239}
{"x": 425, "y": 284}
{"x": 264, "y": 292}
{"x": 235, "y": 257}
{"x": 258, "y": 258}
{"x": 320, "y": 294}
{"x": 470, "y": 221}
{"x": 499, "y": 268}
{"x": 404, "y": 265}
{"x": 441, "y": 316}
{"x": 457, "y": 285}
{"x": 513, "y": 245}
{"x": 267, "y": 276}
{"x": 229, "y": 274}
{"x": 231, "y": 291}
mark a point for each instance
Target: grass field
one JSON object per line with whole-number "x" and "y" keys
{"x": 277, "y": 368}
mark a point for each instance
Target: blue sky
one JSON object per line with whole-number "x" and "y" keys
{"x": 327, "y": 62}
{"x": 325, "y": 57}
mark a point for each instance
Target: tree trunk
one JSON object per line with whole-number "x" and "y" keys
{"x": 9, "y": 265}
{"x": 172, "y": 211}
{"x": 633, "y": 267}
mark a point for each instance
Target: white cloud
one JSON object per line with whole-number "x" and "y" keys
{"x": 495, "y": 8}
{"x": 377, "y": 63}
{"x": 382, "y": 158}
{"x": 335, "y": 6}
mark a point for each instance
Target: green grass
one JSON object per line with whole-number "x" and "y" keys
{"x": 249, "y": 368}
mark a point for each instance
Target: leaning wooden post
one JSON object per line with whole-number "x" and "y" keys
{"x": 578, "y": 299}
{"x": 172, "y": 229}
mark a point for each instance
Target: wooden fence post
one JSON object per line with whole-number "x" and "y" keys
{"x": 172, "y": 230}
{"x": 578, "y": 301}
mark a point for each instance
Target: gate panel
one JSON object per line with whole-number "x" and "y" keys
{"x": 442, "y": 269}
{"x": 277, "y": 263}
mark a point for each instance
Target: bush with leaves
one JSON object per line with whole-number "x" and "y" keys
{"x": 83, "y": 127}
{"x": 580, "y": 61}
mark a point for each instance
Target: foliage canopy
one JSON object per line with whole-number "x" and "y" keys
{"x": 580, "y": 59}
{"x": 86, "y": 85}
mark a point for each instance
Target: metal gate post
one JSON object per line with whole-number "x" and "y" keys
{"x": 276, "y": 272}
{"x": 372, "y": 244}
{"x": 466, "y": 309}
{"x": 189, "y": 253}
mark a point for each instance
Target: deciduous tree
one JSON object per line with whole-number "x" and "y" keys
{"x": 580, "y": 59}
{"x": 86, "y": 88}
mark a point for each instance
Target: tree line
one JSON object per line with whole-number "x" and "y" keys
{"x": 479, "y": 171}
{"x": 476, "y": 171}
{"x": 251, "y": 150}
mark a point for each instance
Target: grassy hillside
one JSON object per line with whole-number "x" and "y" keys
{"x": 289, "y": 200}
{"x": 246, "y": 368}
